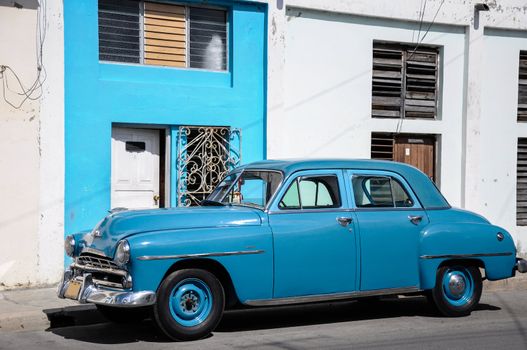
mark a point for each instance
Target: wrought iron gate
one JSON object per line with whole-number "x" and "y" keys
{"x": 205, "y": 156}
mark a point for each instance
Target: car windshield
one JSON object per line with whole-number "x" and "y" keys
{"x": 253, "y": 188}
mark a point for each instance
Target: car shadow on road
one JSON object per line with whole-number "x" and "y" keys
{"x": 87, "y": 325}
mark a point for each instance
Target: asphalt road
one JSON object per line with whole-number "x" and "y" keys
{"x": 500, "y": 322}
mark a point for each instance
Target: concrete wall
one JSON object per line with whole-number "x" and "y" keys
{"x": 31, "y": 143}
{"x": 101, "y": 93}
{"x": 319, "y": 97}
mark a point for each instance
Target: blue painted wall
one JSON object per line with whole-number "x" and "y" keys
{"x": 99, "y": 94}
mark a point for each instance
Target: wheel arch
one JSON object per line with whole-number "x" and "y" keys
{"x": 214, "y": 267}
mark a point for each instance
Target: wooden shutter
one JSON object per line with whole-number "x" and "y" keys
{"x": 119, "y": 31}
{"x": 165, "y": 35}
{"x": 387, "y": 83}
{"x": 522, "y": 87}
{"x": 404, "y": 81}
{"x": 421, "y": 83}
{"x": 382, "y": 146}
{"x": 208, "y": 38}
{"x": 521, "y": 183}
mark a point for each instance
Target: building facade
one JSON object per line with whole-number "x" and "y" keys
{"x": 437, "y": 84}
{"x": 146, "y": 104}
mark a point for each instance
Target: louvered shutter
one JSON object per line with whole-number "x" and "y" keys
{"x": 421, "y": 83}
{"x": 404, "y": 81}
{"x": 208, "y": 38}
{"x": 382, "y": 146}
{"x": 521, "y": 183}
{"x": 522, "y": 87}
{"x": 119, "y": 31}
{"x": 165, "y": 35}
{"x": 387, "y": 84}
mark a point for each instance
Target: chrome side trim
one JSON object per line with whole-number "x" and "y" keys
{"x": 330, "y": 297}
{"x": 199, "y": 255}
{"x": 462, "y": 256}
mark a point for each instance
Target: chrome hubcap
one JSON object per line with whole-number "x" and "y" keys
{"x": 457, "y": 285}
{"x": 189, "y": 302}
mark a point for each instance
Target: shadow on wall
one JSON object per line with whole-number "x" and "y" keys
{"x": 20, "y": 4}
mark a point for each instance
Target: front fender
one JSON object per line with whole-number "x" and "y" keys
{"x": 251, "y": 273}
{"x": 462, "y": 241}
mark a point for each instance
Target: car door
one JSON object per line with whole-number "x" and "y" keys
{"x": 314, "y": 236}
{"x": 390, "y": 219}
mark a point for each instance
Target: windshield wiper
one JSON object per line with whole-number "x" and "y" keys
{"x": 211, "y": 203}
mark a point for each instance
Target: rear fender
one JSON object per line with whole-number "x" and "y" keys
{"x": 477, "y": 242}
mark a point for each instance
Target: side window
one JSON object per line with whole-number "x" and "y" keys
{"x": 313, "y": 192}
{"x": 380, "y": 192}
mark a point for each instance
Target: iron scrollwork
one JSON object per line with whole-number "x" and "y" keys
{"x": 205, "y": 156}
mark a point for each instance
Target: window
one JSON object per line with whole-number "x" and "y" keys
{"x": 404, "y": 81}
{"x": 522, "y": 88}
{"x": 380, "y": 192}
{"x": 521, "y": 183}
{"x": 313, "y": 192}
{"x": 150, "y": 33}
{"x": 252, "y": 188}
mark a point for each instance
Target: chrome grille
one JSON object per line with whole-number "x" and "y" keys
{"x": 97, "y": 262}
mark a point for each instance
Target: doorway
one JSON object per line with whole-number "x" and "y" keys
{"x": 138, "y": 163}
{"x": 417, "y": 150}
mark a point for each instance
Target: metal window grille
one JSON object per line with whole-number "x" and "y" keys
{"x": 162, "y": 34}
{"x": 404, "y": 81}
{"x": 205, "y": 156}
{"x": 521, "y": 183}
{"x": 522, "y": 87}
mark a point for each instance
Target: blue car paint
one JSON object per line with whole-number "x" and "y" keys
{"x": 383, "y": 250}
{"x": 313, "y": 253}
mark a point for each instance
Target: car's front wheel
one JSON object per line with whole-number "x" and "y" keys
{"x": 189, "y": 305}
{"x": 457, "y": 290}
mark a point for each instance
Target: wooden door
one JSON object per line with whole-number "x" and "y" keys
{"x": 135, "y": 168}
{"x": 418, "y": 151}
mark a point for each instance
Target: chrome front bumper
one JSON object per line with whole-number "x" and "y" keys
{"x": 521, "y": 265}
{"x": 85, "y": 290}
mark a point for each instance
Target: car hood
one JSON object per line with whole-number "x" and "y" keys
{"x": 117, "y": 226}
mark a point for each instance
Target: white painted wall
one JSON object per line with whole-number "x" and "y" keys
{"x": 319, "y": 89}
{"x": 31, "y": 144}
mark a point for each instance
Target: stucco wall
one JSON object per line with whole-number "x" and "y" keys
{"x": 319, "y": 97}
{"x": 31, "y": 140}
{"x": 100, "y": 93}
{"x": 19, "y": 161}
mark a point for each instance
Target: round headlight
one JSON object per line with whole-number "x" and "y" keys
{"x": 122, "y": 254}
{"x": 69, "y": 245}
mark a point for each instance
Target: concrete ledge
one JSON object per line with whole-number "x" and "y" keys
{"x": 519, "y": 282}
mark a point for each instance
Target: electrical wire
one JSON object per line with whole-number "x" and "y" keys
{"x": 37, "y": 86}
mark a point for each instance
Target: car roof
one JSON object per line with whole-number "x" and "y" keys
{"x": 423, "y": 187}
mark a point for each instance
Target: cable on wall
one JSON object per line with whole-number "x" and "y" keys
{"x": 34, "y": 91}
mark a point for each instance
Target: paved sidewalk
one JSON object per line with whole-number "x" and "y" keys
{"x": 32, "y": 309}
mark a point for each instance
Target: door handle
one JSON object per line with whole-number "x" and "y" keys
{"x": 344, "y": 221}
{"x": 415, "y": 219}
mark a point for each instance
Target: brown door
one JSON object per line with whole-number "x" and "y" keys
{"x": 418, "y": 151}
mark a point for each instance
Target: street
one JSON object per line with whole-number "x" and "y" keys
{"x": 500, "y": 321}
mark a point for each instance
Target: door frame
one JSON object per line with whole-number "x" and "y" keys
{"x": 167, "y": 155}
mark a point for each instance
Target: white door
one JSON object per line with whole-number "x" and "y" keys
{"x": 135, "y": 168}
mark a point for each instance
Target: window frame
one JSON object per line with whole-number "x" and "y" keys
{"x": 187, "y": 5}
{"x": 393, "y": 176}
{"x": 296, "y": 177}
{"x": 404, "y": 48}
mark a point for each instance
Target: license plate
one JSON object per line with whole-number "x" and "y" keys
{"x": 73, "y": 290}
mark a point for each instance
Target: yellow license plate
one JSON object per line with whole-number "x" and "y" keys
{"x": 73, "y": 290}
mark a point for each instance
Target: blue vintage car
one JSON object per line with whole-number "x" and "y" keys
{"x": 288, "y": 232}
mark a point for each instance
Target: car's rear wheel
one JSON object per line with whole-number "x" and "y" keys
{"x": 189, "y": 305}
{"x": 457, "y": 290}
